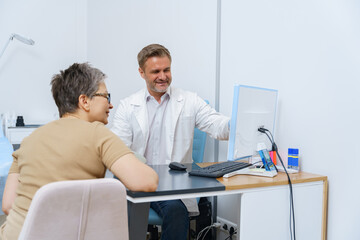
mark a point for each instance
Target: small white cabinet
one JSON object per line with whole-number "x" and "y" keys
{"x": 264, "y": 212}
{"x": 15, "y": 135}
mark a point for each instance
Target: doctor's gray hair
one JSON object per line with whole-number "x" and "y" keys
{"x": 152, "y": 50}
{"x": 68, "y": 85}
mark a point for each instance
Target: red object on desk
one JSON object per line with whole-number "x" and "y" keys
{"x": 273, "y": 156}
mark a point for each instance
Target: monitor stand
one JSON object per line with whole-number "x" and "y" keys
{"x": 252, "y": 171}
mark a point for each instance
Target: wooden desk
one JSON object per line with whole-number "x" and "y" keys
{"x": 175, "y": 185}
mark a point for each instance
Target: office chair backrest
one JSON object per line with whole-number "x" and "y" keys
{"x": 78, "y": 209}
{"x": 199, "y": 144}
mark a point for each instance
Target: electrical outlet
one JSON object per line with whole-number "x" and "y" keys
{"x": 226, "y": 223}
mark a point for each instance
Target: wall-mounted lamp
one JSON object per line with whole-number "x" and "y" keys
{"x": 22, "y": 39}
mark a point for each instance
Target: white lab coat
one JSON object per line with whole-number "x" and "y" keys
{"x": 186, "y": 111}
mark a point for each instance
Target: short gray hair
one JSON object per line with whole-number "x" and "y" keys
{"x": 68, "y": 85}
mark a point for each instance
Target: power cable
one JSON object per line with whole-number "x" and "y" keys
{"x": 292, "y": 212}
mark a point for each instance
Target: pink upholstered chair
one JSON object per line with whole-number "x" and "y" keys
{"x": 78, "y": 209}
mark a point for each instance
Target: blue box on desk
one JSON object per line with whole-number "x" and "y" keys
{"x": 293, "y": 158}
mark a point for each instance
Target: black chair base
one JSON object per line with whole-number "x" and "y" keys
{"x": 154, "y": 232}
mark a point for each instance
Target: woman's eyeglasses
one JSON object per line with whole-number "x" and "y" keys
{"x": 105, "y": 95}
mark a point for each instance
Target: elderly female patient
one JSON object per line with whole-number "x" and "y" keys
{"x": 77, "y": 146}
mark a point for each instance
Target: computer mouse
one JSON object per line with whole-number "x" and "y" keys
{"x": 177, "y": 166}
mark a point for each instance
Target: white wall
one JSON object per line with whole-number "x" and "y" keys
{"x": 118, "y": 30}
{"x": 59, "y": 32}
{"x": 308, "y": 50}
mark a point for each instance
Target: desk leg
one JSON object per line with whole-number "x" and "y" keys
{"x": 138, "y": 214}
{"x": 324, "y": 211}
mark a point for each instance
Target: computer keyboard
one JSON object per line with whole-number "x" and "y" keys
{"x": 219, "y": 169}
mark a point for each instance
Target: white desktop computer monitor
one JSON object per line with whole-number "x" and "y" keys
{"x": 253, "y": 107}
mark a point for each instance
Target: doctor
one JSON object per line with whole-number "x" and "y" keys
{"x": 158, "y": 123}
